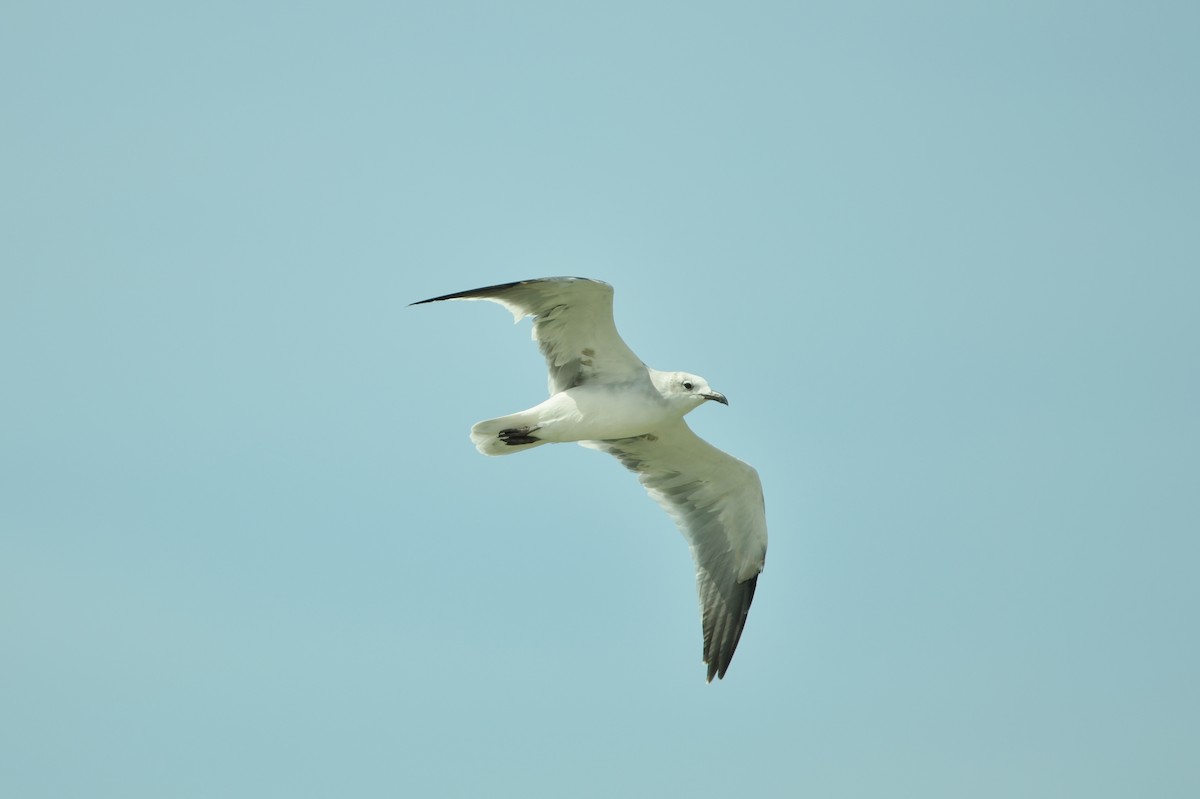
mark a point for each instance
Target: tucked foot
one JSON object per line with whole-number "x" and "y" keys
{"x": 516, "y": 436}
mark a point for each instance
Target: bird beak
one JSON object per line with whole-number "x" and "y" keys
{"x": 713, "y": 395}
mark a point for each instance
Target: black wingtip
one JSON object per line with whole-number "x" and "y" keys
{"x": 718, "y": 657}
{"x": 488, "y": 291}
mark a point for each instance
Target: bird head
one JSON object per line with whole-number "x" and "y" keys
{"x": 688, "y": 390}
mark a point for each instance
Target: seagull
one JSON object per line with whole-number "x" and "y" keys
{"x": 603, "y": 397}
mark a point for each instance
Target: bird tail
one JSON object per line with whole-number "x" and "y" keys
{"x": 506, "y": 434}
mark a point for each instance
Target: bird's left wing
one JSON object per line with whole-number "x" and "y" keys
{"x": 572, "y": 324}
{"x": 716, "y": 501}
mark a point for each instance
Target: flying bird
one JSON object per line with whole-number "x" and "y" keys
{"x": 603, "y": 397}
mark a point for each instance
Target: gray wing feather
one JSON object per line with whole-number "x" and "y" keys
{"x": 716, "y": 501}
{"x": 572, "y": 324}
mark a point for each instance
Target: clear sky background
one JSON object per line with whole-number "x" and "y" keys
{"x": 944, "y": 258}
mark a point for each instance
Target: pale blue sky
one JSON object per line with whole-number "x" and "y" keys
{"x": 942, "y": 257}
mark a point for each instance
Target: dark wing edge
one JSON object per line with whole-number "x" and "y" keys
{"x": 724, "y": 618}
{"x": 500, "y": 288}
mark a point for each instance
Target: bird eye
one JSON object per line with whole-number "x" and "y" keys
{"x": 687, "y": 384}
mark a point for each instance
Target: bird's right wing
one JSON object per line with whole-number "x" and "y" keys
{"x": 716, "y": 501}
{"x": 572, "y": 324}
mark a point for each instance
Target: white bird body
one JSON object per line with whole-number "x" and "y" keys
{"x": 592, "y": 412}
{"x": 603, "y": 397}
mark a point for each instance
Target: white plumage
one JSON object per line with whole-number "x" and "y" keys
{"x": 603, "y": 397}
